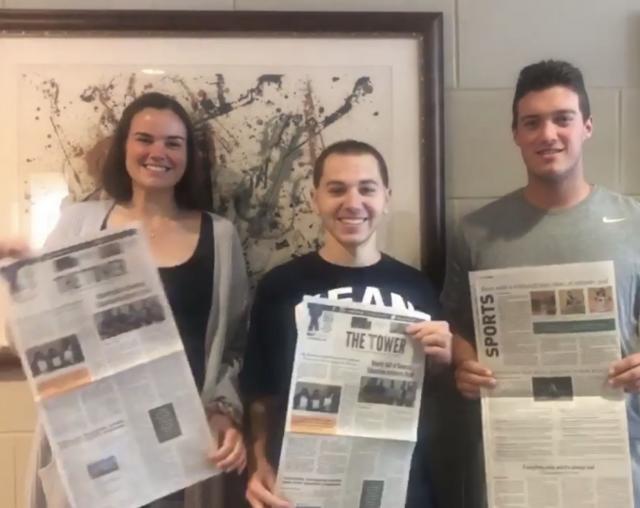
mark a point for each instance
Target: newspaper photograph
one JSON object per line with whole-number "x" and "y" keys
{"x": 354, "y": 406}
{"x": 554, "y": 431}
{"x": 108, "y": 371}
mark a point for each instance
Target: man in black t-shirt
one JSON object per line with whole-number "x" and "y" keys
{"x": 350, "y": 196}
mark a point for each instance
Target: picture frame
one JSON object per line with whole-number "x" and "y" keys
{"x": 338, "y": 39}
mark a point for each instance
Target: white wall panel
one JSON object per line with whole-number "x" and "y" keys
{"x": 498, "y": 37}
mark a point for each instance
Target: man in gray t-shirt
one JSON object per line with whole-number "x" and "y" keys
{"x": 558, "y": 217}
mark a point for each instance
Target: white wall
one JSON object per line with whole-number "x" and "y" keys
{"x": 486, "y": 43}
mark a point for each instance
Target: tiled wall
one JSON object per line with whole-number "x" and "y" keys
{"x": 486, "y": 43}
{"x": 16, "y": 424}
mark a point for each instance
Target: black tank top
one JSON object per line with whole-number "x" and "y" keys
{"x": 189, "y": 290}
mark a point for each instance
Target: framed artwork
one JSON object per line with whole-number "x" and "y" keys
{"x": 267, "y": 92}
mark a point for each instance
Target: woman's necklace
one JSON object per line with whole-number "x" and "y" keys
{"x": 152, "y": 232}
{"x": 157, "y": 228}
{"x": 153, "y": 227}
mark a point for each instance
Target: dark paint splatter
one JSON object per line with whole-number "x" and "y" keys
{"x": 221, "y": 92}
{"x": 258, "y": 199}
{"x": 303, "y": 131}
{"x": 103, "y": 95}
{"x": 251, "y": 95}
{"x": 362, "y": 87}
{"x": 205, "y": 102}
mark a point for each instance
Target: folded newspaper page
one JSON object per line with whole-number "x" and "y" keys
{"x": 108, "y": 372}
{"x": 555, "y": 433}
{"x": 354, "y": 406}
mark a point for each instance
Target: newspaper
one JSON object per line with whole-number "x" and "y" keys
{"x": 353, "y": 408}
{"x": 108, "y": 372}
{"x": 555, "y": 433}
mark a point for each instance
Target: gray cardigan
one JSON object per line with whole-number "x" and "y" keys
{"x": 224, "y": 347}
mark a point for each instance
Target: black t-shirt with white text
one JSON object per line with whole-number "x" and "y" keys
{"x": 272, "y": 334}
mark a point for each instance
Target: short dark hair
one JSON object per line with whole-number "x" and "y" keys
{"x": 546, "y": 74}
{"x": 189, "y": 191}
{"x": 350, "y": 147}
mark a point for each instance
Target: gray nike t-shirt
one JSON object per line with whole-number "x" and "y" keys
{"x": 510, "y": 232}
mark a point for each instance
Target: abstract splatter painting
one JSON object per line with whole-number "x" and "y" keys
{"x": 259, "y": 131}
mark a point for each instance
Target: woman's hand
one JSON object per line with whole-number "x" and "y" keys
{"x": 231, "y": 454}
{"x": 261, "y": 489}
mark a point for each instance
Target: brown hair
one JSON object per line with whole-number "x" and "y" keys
{"x": 189, "y": 192}
{"x": 350, "y": 147}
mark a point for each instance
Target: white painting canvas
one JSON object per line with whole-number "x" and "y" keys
{"x": 263, "y": 108}
{"x": 259, "y": 130}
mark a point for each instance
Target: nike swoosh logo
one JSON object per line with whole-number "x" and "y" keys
{"x": 609, "y": 220}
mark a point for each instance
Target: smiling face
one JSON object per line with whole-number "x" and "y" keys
{"x": 156, "y": 150}
{"x": 550, "y": 131}
{"x": 350, "y": 200}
